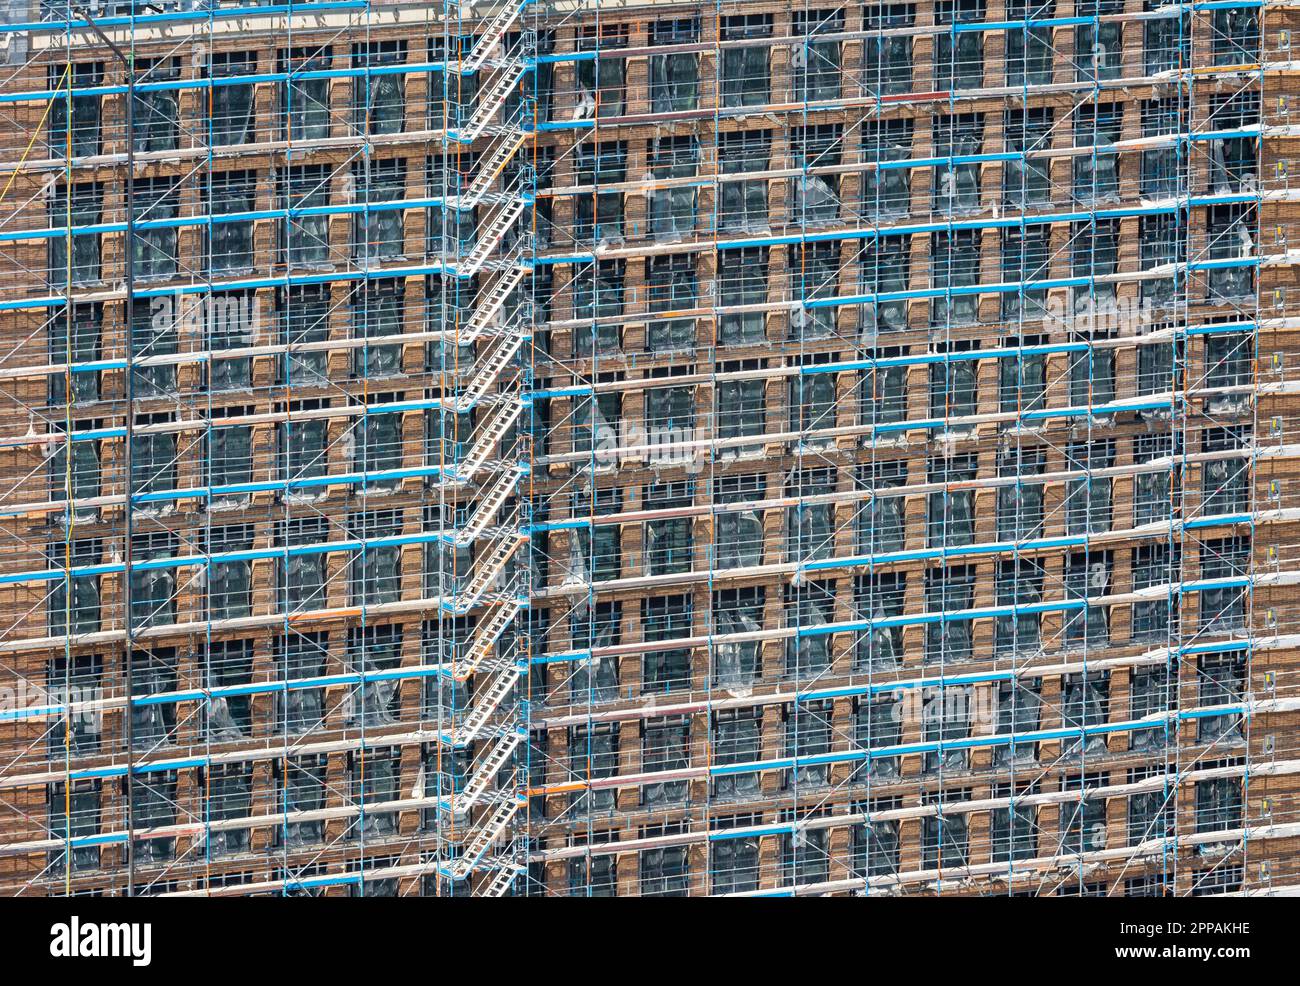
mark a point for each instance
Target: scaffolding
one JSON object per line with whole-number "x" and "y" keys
{"x": 550, "y": 449}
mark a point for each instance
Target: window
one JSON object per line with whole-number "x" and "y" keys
{"x": 378, "y": 312}
{"x": 79, "y": 678}
{"x": 1083, "y": 821}
{"x": 153, "y": 459}
{"x": 73, "y": 814}
{"x": 598, "y": 297}
{"x": 1022, "y": 378}
{"x": 665, "y": 746}
{"x": 153, "y": 803}
{"x": 154, "y": 673}
{"x": 1026, "y": 181}
{"x": 1020, "y": 502}
{"x": 1234, "y": 161}
{"x": 809, "y": 606}
{"x": 949, "y": 591}
{"x": 1088, "y": 497}
{"x": 741, "y": 409}
{"x": 815, "y": 64}
{"x": 597, "y": 214}
{"x": 1087, "y": 576}
{"x": 378, "y": 98}
{"x": 74, "y": 259}
{"x": 593, "y": 755}
{"x": 887, "y": 58}
{"x": 154, "y": 251}
{"x": 1235, "y": 33}
{"x": 1225, "y": 482}
{"x": 374, "y": 649}
{"x": 742, "y": 276}
{"x": 305, "y": 236}
{"x": 375, "y": 571}
{"x": 1094, "y": 254}
{"x": 737, "y": 664}
{"x": 881, "y": 527}
{"x": 669, "y": 413}
{"x": 231, "y": 107}
{"x": 1026, "y": 257}
{"x": 1085, "y": 702}
{"x": 944, "y": 835}
{"x": 664, "y": 872}
{"x": 595, "y": 553}
{"x": 1013, "y": 830}
{"x": 1019, "y": 583}
{"x": 1020, "y": 709}
{"x": 1156, "y": 618}
{"x": 878, "y": 725}
{"x": 887, "y": 188}
{"x": 950, "y": 513}
{"x": 674, "y": 78}
{"x": 880, "y": 598}
{"x": 885, "y": 269}
{"x": 742, "y": 202}
{"x": 1218, "y": 806}
{"x": 805, "y": 851}
{"x": 955, "y": 184}
{"x": 737, "y": 739}
{"x": 375, "y": 778}
{"x": 1225, "y": 563}
{"x": 1231, "y": 231}
{"x": 230, "y": 797}
{"x": 74, "y": 119}
{"x": 157, "y": 111}
{"x": 1153, "y": 692}
{"x": 1157, "y": 486}
{"x": 746, "y": 75}
{"x": 304, "y": 102}
{"x": 452, "y": 94}
{"x": 230, "y": 240}
{"x": 1099, "y": 46}
{"x": 816, "y": 279}
{"x": 301, "y": 657}
{"x": 1220, "y": 680}
{"x": 955, "y": 265}
{"x": 73, "y": 600}
{"x": 1150, "y": 812}
{"x": 602, "y": 80}
{"x": 883, "y": 400}
{"x": 958, "y": 56}
{"x": 1166, "y": 41}
{"x": 75, "y": 335}
{"x": 946, "y": 714}
{"x": 595, "y": 679}
{"x": 230, "y": 581}
{"x": 377, "y": 446}
{"x": 153, "y": 590}
{"x": 300, "y": 787}
{"x": 808, "y": 734}
{"x": 230, "y": 319}
{"x": 1160, "y": 167}
{"x": 665, "y": 618}
{"x": 1098, "y": 127}
{"x": 734, "y": 859}
{"x": 812, "y": 407}
{"x": 1029, "y": 48}
{"x": 304, "y": 318}
{"x": 737, "y": 532}
{"x": 668, "y": 541}
{"x": 672, "y": 209}
{"x": 875, "y": 843}
{"x": 377, "y": 231}
{"x": 302, "y": 443}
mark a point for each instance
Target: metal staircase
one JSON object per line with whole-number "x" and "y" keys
{"x": 496, "y": 715}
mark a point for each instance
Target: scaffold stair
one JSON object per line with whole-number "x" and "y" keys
{"x": 506, "y": 215}
{"x": 487, "y": 702}
{"x": 486, "y": 572}
{"x": 483, "y": 835}
{"x": 484, "y": 775}
{"x": 489, "y": 503}
{"x": 493, "y": 431}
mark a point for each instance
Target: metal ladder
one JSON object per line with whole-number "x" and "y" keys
{"x": 487, "y": 702}
{"x": 490, "y": 300}
{"x": 485, "y": 635}
{"x": 506, "y": 214}
{"x": 492, "y": 35}
{"x": 488, "y": 368}
{"x": 486, "y": 572}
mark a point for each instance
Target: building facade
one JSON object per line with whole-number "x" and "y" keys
{"x": 565, "y": 449}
